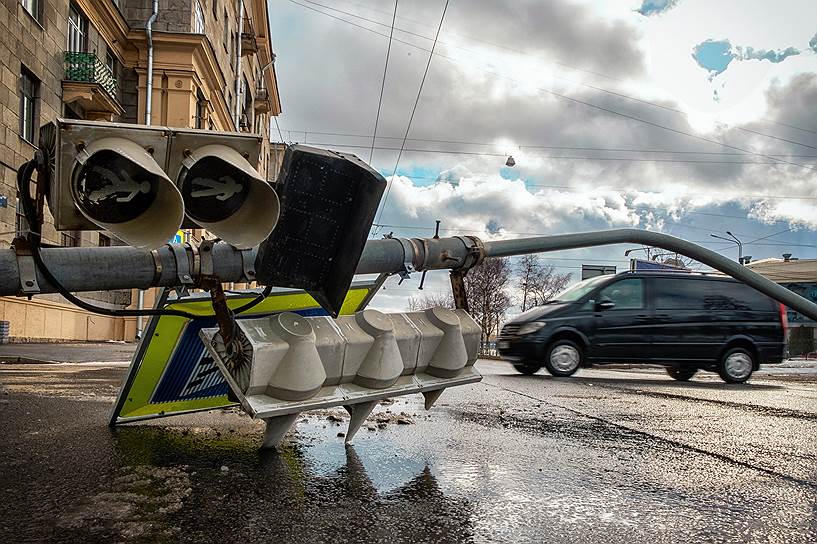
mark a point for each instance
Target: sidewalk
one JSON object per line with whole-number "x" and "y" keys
{"x": 86, "y": 352}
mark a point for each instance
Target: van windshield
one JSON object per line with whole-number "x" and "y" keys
{"x": 575, "y": 292}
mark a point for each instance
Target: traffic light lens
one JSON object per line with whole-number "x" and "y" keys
{"x": 112, "y": 189}
{"x": 213, "y": 190}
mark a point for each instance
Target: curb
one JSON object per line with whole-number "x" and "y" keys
{"x": 17, "y": 360}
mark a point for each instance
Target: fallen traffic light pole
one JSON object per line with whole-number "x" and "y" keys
{"x": 104, "y": 268}
{"x": 317, "y": 347}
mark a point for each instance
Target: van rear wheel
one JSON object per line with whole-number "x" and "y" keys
{"x": 736, "y": 365}
{"x": 564, "y": 358}
{"x": 681, "y": 374}
{"x": 527, "y": 368}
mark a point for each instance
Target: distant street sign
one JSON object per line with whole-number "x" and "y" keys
{"x": 639, "y": 264}
{"x": 593, "y": 270}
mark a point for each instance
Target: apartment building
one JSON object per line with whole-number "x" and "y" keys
{"x": 87, "y": 59}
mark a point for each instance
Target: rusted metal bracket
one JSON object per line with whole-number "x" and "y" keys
{"x": 232, "y": 338}
{"x": 458, "y": 289}
{"x": 474, "y": 257}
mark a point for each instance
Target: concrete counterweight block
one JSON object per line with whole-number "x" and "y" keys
{"x": 300, "y": 374}
{"x": 383, "y": 363}
{"x": 451, "y": 354}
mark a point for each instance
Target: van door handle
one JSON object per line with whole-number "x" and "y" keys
{"x": 663, "y": 316}
{"x": 642, "y": 317}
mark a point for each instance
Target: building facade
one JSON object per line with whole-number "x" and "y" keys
{"x": 87, "y": 59}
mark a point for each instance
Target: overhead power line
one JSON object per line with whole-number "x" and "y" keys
{"x": 307, "y": 133}
{"x": 383, "y": 83}
{"x": 488, "y": 154}
{"x": 626, "y": 189}
{"x": 414, "y": 109}
{"x": 586, "y": 103}
{"x": 522, "y": 53}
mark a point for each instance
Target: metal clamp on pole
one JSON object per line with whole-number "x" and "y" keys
{"x": 409, "y": 250}
{"x": 157, "y": 266}
{"x": 475, "y": 255}
{"x": 28, "y": 272}
{"x": 248, "y": 263}
{"x": 182, "y": 264}
{"x": 206, "y": 257}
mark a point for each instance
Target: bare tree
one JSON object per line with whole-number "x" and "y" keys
{"x": 526, "y": 270}
{"x": 431, "y": 301}
{"x": 487, "y": 299}
{"x": 538, "y": 281}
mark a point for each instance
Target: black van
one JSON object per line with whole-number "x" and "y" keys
{"x": 685, "y": 321}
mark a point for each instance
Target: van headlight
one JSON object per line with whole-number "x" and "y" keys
{"x": 530, "y": 328}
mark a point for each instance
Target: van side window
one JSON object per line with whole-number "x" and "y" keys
{"x": 728, "y": 295}
{"x": 625, "y": 294}
{"x": 679, "y": 293}
{"x": 689, "y": 294}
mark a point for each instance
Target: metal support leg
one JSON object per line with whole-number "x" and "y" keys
{"x": 357, "y": 415}
{"x": 432, "y": 396}
{"x": 277, "y": 428}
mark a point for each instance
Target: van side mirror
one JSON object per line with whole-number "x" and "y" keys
{"x": 605, "y": 304}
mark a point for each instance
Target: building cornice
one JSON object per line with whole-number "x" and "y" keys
{"x": 112, "y": 26}
{"x": 181, "y": 51}
{"x": 265, "y": 53}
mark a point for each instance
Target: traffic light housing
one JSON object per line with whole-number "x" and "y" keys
{"x": 328, "y": 202}
{"x": 139, "y": 182}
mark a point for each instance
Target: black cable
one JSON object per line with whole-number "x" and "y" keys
{"x": 24, "y": 186}
{"x": 254, "y": 302}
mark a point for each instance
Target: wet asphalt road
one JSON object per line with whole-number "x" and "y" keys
{"x": 608, "y": 455}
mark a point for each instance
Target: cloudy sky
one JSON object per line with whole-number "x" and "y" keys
{"x": 690, "y": 117}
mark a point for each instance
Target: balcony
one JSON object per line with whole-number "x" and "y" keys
{"x": 92, "y": 84}
{"x": 262, "y": 103}
{"x": 249, "y": 45}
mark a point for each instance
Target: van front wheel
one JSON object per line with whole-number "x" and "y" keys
{"x": 564, "y": 358}
{"x": 736, "y": 365}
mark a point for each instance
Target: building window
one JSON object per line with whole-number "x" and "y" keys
{"x": 77, "y": 30}
{"x": 201, "y": 109}
{"x": 110, "y": 62}
{"x": 29, "y": 90}
{"x": 198, "y": 18}
{"x": 104, "y": 241}
{"x": 226, "y": 28}
{"x": 32, "y": 7}
{"x": 20, "y": 223}
{"x": 232, "y": 50}
{"x": 70, "y": 238}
